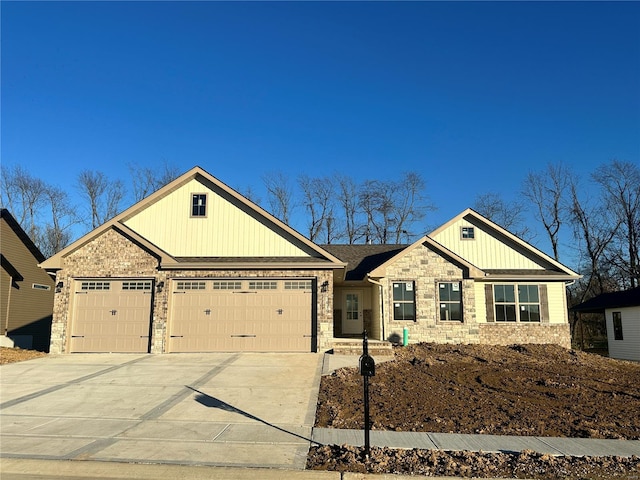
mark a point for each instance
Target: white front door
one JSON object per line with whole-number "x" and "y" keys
{"x": 352, "y": 312}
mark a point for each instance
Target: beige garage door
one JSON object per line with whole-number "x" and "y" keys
{"x": 111, "y": 316}
{"x": 265, "y": 315}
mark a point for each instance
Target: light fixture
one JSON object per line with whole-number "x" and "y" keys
{"x": 325, "y": 286}
{"x": 59, "y": 286}
{"x": 159, "y": 287}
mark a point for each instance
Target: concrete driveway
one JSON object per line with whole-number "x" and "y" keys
{"x": 235, "y": 409}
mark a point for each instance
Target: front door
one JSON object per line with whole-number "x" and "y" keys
{"x": 352, "y": 312}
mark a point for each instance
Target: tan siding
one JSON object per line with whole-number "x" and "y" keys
{"x": 481, "y": 312}
{"x": 28, "y": 305}
{"x": 227, "y": 231}
{"x": 485, "y": 251}
{"x": 557, "y": 303}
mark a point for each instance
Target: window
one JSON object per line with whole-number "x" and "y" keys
{"x": 227, "y": 285}
{"x": 199, "y": 205}
{"x": 617, "y": 325}
{"x": 467, "y": 233}
{"x": 297, "y": 285}
{"x": 263, "y": 285}
{"x": 95, "y": 286}
{"x": 141, "y": 285}
{"x": 450, "y": 301}
{"x": 190, "y": 285}
{"x": 524, "y": 308}
{"x": 404, "y": 305}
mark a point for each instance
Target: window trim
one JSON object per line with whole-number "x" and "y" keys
{"x": 413, "y": 301}
{"x": 517, "y": 303}
{"x": 193, "y": 205}
{"x": 616, "y": 318}
{"x": 440, "y": 302}
{"x": 467, "y": 233}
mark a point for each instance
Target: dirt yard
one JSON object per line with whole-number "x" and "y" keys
{"x": 540, "y": 390}
{"x": 12, "y": 355}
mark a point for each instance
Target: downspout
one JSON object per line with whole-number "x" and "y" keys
{"x": 381, "y": 303}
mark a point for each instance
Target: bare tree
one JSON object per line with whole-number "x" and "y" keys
{"x": 279, "y": 195}
{"x": 409, "y": 204}
{"x": 376, "y": 200}
{"x": 57, "y": 233}
{"x": 23, "y": 195}
{"x": 620, "y": 183}
{"x": 347, "y": 196}
{"x": 147, "y": 180}
{"x": 508, "y": 215}
{"x": 318, "y": 195}
{"x": 594, "y": 228}
{"x": 104, "y": 196}
{"x": 547, "y": 191}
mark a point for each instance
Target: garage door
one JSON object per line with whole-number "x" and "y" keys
{"x": 111, "y": 316}
{"x": 266, "y": 315}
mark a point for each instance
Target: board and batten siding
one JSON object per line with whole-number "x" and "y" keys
{"x": 226, "y": 231}
{"x": 555, "y": 294}
{"x": 485, "y": 250}
{"x": 629, "y": 347}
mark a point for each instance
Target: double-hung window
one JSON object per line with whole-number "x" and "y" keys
{"x": 517, "y": 303}
{"x": 404, "y": 301}
{"x": 450, "y": 297}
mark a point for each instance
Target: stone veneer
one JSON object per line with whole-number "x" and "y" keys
{"x": 113, "y": 255}
{"x": 426, "y": 269}
{"x": 502, "y": 333}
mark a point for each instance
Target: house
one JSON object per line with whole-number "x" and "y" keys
{"x": 26, "y": 291}
{"x": 622, "y": 317}
{"x": 469, "y": 281}
{"x": 198, "y": 267}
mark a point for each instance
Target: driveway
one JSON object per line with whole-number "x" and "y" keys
{"x": 235, "y": 409}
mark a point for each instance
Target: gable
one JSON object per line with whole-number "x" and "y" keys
{"x": 232, "y": 229}
{"x": 490, "y": 249}
{"x": 227, "y": 230}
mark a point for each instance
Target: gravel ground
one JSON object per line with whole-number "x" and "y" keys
{"x": 12, "y": 355}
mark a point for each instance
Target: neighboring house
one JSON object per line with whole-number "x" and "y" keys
{"x": 622, "y": 316}
{"x": 26, "y": 291}
{"x": 198, "y": 267}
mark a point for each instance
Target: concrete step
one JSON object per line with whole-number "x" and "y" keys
{"x": 354, "y": 347}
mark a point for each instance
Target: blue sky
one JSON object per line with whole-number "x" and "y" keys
{"x": 470, "y": 95}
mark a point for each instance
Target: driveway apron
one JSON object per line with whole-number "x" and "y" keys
{"x": 227, "y": 409}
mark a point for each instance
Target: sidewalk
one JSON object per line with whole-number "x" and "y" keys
{"x": 477, "y": 443}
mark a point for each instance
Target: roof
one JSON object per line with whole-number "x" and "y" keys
{"x": 320, "y": 256}
{"x": 362, "y": 259}
{"x": 598, "y": 304}
{"x": 22, "y": 235}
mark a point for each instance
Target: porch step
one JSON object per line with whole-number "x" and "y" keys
{"x": 346, "y": 346}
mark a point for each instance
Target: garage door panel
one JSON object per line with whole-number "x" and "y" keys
{"x": 241, "y": 320}
{"x": 109, "y": 316}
